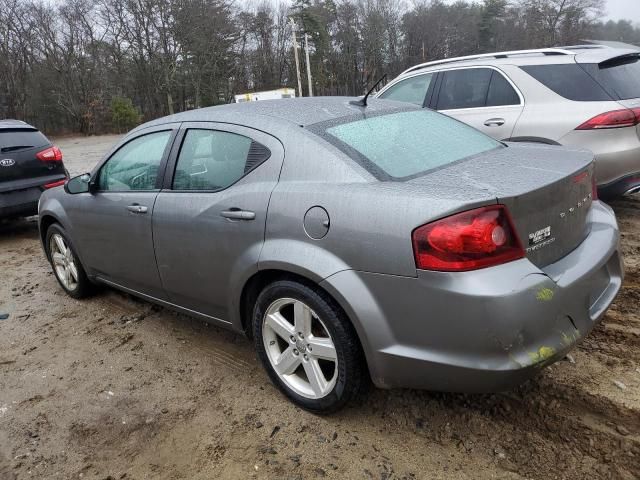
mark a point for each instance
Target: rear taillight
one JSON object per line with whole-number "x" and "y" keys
{"x": 51, "y": 154}
{"x": 55, "y": 184}
{"x": 616, "y": 119}
{"x": 470, "y": 240}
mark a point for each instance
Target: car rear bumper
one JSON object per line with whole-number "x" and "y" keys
{"x": 20, "y": 203}
{"x": 616, "y": 152}
{"x": 626, "y": 185}
{"x": 486, "y": 330}
{"x": 19, "y": 198}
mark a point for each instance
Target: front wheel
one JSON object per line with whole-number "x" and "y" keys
{"x": 307, "y": 346}
{"x": 66, "y": 265}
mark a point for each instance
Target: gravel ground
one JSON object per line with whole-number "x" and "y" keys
{"x": 114, "y": 387}
{"x": 82, "y": 153}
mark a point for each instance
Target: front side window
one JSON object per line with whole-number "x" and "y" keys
{"x": 466, "y": 88}
{"x": 407, "y": 144}
{"x": 412, "y": 90}
{"x": 214, "y": 160}
{"x": 135, "y": 165}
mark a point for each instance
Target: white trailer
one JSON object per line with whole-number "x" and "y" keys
{"x": 268, "y": 95}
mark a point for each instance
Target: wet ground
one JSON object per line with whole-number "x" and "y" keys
{"x": 113, "y": 387}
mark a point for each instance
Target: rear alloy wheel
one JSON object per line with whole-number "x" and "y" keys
{"x": 302, "y": 353}
{"x": 307, "y": 346}
{"x": 65, "y": 263}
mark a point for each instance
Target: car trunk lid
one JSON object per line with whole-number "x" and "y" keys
{"x": 546, "y": 189}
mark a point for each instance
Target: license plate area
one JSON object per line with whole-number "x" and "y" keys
{"x": 19, "y": 197}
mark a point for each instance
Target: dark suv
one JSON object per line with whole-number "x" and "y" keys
{"x": 29, "y": 164}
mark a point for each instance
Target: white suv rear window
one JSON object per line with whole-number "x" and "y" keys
{"x": 619, "y": 76}
{"x": 570, "y": 81}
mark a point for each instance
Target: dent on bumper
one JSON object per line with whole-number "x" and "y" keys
{"x": 487, "y": 330}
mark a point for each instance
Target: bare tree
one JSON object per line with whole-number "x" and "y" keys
{"x": 67, "y": 65}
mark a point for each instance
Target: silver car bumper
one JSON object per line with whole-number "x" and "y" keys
{"x": 486, "y": 330}
{"x": 616, "y": 151}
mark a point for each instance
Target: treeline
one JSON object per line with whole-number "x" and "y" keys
{"x": 104, "y": 65}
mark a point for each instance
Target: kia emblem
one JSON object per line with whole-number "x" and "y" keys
{"x": 7, "y": 162}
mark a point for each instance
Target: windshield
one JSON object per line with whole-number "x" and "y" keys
{"x": 409, "y": 143}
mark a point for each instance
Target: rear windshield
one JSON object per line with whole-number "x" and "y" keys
{"x": 619, "y": 76}
{"x": 569, "y": 81}
{"x": 407, "y": 144}
{"x": 14, "y": 139}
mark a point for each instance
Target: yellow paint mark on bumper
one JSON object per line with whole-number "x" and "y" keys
{"x": 543, "y": 353}
{"x": 545, "y": 294}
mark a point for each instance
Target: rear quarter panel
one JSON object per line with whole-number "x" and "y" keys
{"x": 546, "y": 114}
{"x": 370, "y": 222}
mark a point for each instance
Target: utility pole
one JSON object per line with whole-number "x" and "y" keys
{"x": 295, "y": 53}
{"x": 306, "y": 49}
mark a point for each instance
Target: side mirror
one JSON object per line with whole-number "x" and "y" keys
{"x": 79, "y": 184}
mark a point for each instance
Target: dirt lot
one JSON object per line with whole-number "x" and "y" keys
{"x": 114, "y": 387}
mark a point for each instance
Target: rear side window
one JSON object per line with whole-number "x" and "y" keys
{"x": 412, "y": 90}
{"x": 464, "y": 88}
{"x": 214, "y": 160}
{"x": 619, "y": 76}
{"x": 17, "y": 139}
{"x": 407, "y": 144}
{"x": 501, "y": 93}
{"x": 569, "y": 81}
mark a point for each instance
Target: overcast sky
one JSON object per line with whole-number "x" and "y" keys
{"x": 627, "y": 9}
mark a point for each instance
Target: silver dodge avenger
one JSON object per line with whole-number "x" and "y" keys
{"x": 351, "y": 241}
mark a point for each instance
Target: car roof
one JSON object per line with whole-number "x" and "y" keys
{"x": 281, "y": 114}
{"x": 590, "y": 53}
{"x": 13, "y": 124}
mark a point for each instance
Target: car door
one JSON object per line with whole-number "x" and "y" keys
{"x": 481, "y": 97}
{"x": 209, "y": 219}
{"x": 112, "y": 223}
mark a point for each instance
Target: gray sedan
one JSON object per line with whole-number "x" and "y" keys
{"x": 384, "y": 242}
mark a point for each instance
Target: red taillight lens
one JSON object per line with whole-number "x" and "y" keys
{"x": 55, "y": 184}
{"x": 615, "y": 119}
{"x": 470, "y": 240}
{"x": 51, "y": 154}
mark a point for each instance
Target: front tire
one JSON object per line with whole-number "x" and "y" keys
{"x": 66, "y": 264}
{"x": 308, "y": 347}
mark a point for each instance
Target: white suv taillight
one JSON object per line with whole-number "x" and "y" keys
{"x": 627, "y": 117}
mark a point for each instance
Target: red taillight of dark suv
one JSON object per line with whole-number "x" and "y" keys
{"x": 51, "y": 154}
{"x": 470, "y": 240}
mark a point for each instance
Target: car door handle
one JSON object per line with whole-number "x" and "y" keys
{"x": 494, "y": 122}
{"x": 135, "y": 208}
{"x": 237, "y": 214}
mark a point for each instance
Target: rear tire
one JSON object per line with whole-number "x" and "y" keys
{"x": 65, "y": 263}
{"x": 307, "y": 346}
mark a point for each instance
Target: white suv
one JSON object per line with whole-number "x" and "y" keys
{"x": 586, "y": 96}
